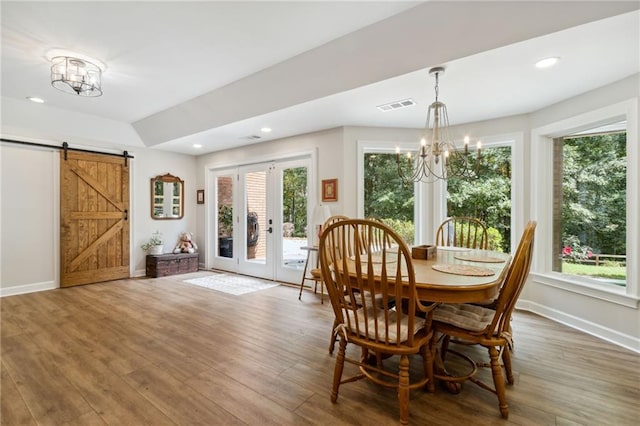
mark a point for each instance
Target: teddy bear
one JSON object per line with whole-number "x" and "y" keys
{"x": 186, "y": 244}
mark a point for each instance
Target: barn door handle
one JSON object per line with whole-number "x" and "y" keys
{"x": 126, "y": 214}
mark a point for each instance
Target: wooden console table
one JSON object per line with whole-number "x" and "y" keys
{"x": 162, "y": 265}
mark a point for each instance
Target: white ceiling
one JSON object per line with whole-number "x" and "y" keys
{"x": 214, "y": 73}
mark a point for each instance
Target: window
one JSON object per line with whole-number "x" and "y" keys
{"x": 385, "y": 195}
{"x": 487, "y": 196}
{"x": 589, "y": 209}
{"x": 416, "y": 210}
{"x": 568, "y": 138}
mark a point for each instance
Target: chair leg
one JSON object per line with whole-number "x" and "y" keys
{"x": 428, "y": 355}
{"x": 506, "y": 360}
{"x": 334, "y": 336}
{"x": 304, "y": 274}
{"x": 337, "y": 372}
{"x": 498, "y": 381}
{"x": 506, "y": 356}
{"x": 403, "y": 389}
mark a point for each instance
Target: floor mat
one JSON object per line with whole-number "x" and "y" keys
{"x": 231, "y": 284}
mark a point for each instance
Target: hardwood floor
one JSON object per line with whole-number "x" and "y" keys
{"x": 160, "y": 351}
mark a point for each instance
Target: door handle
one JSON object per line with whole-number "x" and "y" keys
{"x": 270, "y": 230}
{"x": 126, "y": 215}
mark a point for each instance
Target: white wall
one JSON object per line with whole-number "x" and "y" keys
{"x": 149, "y": 163}
{"x": 29, "y": 256}
{"x": 29, "y": 213}
{"x": 40, "y": 121}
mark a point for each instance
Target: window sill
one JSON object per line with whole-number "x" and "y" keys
{"x": 605, "y": 292}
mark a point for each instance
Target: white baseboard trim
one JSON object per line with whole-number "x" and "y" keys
{"x": 27, "y": 288}
{"x": 139, "y": 273}
{"x": 624, "y": 340}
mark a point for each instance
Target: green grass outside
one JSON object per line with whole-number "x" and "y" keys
{"x": 606, "y": 272}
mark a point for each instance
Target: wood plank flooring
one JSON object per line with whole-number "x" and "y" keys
{"x": 163, "y": 352}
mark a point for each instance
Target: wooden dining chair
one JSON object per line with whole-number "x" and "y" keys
{"x": 466, "y": 232}
{"x": 491, "y": 328}
{"x": 376, "y": 243}
{"x": 355, "y": 282}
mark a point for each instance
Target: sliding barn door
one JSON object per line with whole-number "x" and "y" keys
{"x": 94, "y": 218}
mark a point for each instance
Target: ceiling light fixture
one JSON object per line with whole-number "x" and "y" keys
{"x": 266, "y": 130}
{"x": 197, "y": 145}
{"x": 76, "y": 76}
{"x": 547, "y": 62}
{"x": 437, "y": 156}
{"x": 35, "y": 99}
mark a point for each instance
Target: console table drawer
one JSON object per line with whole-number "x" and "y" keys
{"x": 162, "y": 265}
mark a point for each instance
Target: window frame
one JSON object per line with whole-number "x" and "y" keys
{"x": 420, "y": 193}
{"x": 542, "y": 203}
{"x": 430, "y": 207}
{"x": 514, "y": 141}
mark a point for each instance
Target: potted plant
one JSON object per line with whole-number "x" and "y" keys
{"x": 225, "y": 221}
{"x": 155, "y": 243}
{"x": 225, "y": 231}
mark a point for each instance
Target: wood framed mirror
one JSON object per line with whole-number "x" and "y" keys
{"x": 167, "y": 197}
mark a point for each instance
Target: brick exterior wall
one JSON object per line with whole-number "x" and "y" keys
{"x": 257, "y": 202}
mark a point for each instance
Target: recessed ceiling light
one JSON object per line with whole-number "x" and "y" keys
{"x": 35, "y": 99}
{"x": 547, "y": 62}
{"x": 266, "y": 129}
{"x": 197, "y": 145}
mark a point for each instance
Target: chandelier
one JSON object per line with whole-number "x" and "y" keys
{"x": 76, "y": 76}
{"x": 437, "y": 157}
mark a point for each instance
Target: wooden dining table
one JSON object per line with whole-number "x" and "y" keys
{"x": 453, "y": 287}
{"x": 460, "y": 283}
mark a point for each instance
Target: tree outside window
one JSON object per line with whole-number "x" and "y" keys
{"x": 590, "y": 179}
{"x": 386, "y": 197}
{"x": 486, "y": 195}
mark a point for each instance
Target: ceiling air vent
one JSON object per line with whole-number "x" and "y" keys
{"x": 396, "y": 105}
{"x": 252, "y": 137}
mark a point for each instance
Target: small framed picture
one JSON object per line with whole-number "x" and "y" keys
{"x": 200, "y": 196}
{"x": 329, "y": 190}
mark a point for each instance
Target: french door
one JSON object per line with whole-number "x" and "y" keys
{"x": 259, "y": 215}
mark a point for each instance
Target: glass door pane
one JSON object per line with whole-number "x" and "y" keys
{"x": 255, "y": 221}
{"x": 224, "y": 216}
{"x": 256, "y": 203}
{"x": 293, "y": 215}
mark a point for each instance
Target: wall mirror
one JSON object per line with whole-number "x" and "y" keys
{"x": 167, "y": 197}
